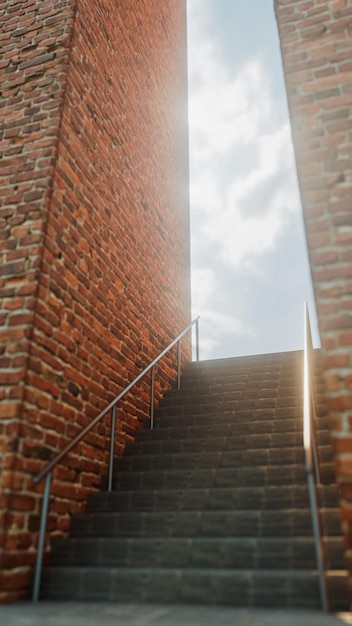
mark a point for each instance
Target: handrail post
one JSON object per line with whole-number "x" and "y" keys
{"x": 313, "y": 418}
{"x": 41, "y": 540}
{"x": 311, "y": 457}
{"x": 152, "y": 391}
{"x": 112, "y": 446}
{"x": 315, "y": 458}
{"x": 317, "y": 540}
{"x": 197, "y": 340}
{"x": 179, "y": 364}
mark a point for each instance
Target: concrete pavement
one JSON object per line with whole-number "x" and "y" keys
{"x": 75, "y": 614}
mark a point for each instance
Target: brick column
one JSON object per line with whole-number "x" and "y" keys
{"x": 34, "y": 45}
{"x": 95, "y": 277}
{"x": 316, "y": 49}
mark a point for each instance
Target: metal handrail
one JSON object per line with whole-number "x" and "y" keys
{"x": 311, "y": 456}
{"x": 47, "y": 470}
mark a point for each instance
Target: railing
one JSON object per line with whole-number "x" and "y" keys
{"x": 47, "y": 470}
{"x": 311, "y": 455}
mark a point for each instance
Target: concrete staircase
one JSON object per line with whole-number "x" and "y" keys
{"x": 212, "y": 505}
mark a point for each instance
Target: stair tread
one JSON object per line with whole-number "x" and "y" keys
{"x": 252, "y": 497}
{"x": 238, "y": 512}
{"x": 211, "y": 471}
{"x": 294, "y": 588}
{"x": 296, "y": 573}
{"x": 187, "y": 552}
{"x": 221, "y": 477}
{"x": 199, "y": 436}
{"x": 225, "y": 429}
{"x": 203, "y": 523}
{"x": 216, "y": 458}
{"x": 262, "y": 540}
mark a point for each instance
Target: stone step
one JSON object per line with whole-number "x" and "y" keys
{"x": 180, "y": 428}
{"x": 237, "y": 382}
{"x": 217, "y": 477}
{"x": 240, "y": 409}
{"x": 242, "y": 382}
{"x": 290, "y": 371}
{"x": 249, "y": 523}
{"x": 223, "y": 372}
{"x": 240, "y": 401}
{"x": 242, "y": 498}
{"x": 222, "y": 477}
{"x": 261, "y": 588}
{"x": 249, "y": 381}
{"x": 221, "y": 396}
{"x": 199, "y": 415}
{"x": 225, "y": 443}
{"x": 252, "y": 361}
{"x": 219, "y": 553}
{"x": 217, "y": 459}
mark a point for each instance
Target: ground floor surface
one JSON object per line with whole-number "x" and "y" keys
{"x": 74, "y": 614}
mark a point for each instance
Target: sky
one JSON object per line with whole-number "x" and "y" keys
{"x": 250, "y": 270}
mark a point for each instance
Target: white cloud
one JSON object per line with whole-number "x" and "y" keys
{"x": 224, "y": 107}
{"x": 224, "y": 110}
{"x": 225, "y": 324}
{"x": 256, "y": 208}
{"x": 204, "y": 192}
{"x": 218, "y": 328}
{"x": 203, "y": 287}
{"x": 215, "y": 326}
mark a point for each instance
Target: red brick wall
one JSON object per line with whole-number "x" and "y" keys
{"x": 34, "y": 47}
{"x": 98, "y": 232}
{"x": 316, "y": 47}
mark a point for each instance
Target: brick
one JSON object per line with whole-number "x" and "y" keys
{"x": 21, "y": 319}
{"x": 343, "y": 444}
{"x": 345, "y": 339}
{"x": 337, "y": 322}
{"x": 10, "y": 269}
{"x": 14, "y": 580}
{"x": 331, "y": 382}
{"x": 9, "y": 409}
{"x": 20, "y": 502}
{"x": 336, "y": 360}
{"x": 11, "y": 377}
{"x": 343, "y": 463}
{"x": 340, "y": 403}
